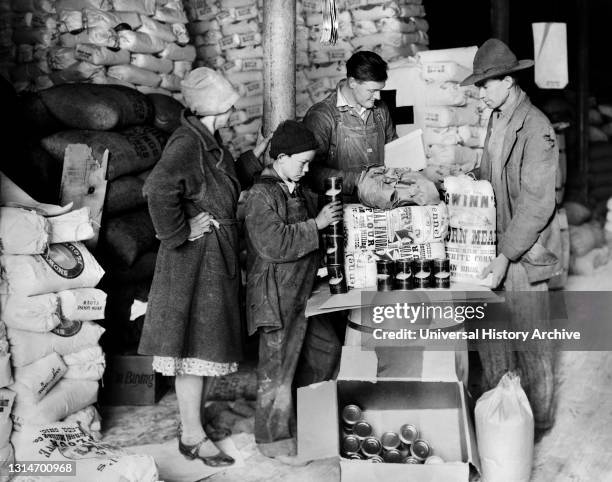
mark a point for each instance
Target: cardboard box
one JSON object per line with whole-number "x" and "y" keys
{"x": 130, "y": 380}
{"x": 438, "y": 409}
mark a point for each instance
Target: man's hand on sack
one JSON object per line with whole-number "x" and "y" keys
{"x": 199, "y": 225}
{"x": 330, "y": 213}
{"x": 497, "y": 268}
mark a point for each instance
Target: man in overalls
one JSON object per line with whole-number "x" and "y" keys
{"x": 352, "y": 125}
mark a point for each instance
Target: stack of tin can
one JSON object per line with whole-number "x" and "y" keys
{"x": 406, "y": 274}
{"x": 334, "y": 240}
{"x": 360, "y": 443}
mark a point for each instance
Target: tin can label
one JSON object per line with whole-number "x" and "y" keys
{"x": 334, "y": 249}
{"x": 403, "y": 275}
{"x": 337, "y": 280}
{"x": 384, "y": 275}
{"x": 441, "y": 273}
{"x": 421, "y": 272}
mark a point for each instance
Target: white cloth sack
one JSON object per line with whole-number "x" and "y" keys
{"x": 22, "y": 231}
{"x": 67, "y": 397}
{"x": 84, "y": 304}
{"x": 40, "y": 313}
{"x": 63, "y": 266}
{"x": 32, "y": 382}
{"x": 89, "y": 420}
{"x": 27, "y": 346}
{"x": 463, "y": 56}
{"x": 550, "y": 54}
{"x": 367, "y": 228}
{"x": 134, "y": 75}
{"x": 87, "y": 364}
{"x": 471, "y": 244}
{"x": 504, "y": 429}
{"x": 98, "y": 55}
{"x": 70, "y": 227}
{"x": 67, "y": 442}
{"x": 152, "y": 63}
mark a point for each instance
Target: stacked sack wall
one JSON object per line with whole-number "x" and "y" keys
{"x": 50, "y": 361}
{"x": 143, "y": 44}
{"x": 227, "y": 36}
{"x": 452, "y": 117}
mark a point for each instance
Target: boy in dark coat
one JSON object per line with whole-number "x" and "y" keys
{"x": 283, "y": 258}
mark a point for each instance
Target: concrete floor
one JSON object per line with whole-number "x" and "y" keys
{"x": 576, "y": 449}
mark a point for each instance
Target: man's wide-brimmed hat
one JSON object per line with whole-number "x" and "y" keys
{"x": 494, "y": 59}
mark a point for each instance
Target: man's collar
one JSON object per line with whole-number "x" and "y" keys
{"x": 342, "y": 101}
{"x": 507, "y": 110}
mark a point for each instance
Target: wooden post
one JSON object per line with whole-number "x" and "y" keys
{"x": 279, "y": 62}
{"x": 500, "y": 20}
{"x": 582, "y": 112}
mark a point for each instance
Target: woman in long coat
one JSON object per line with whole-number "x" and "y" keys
{"x": 192, "y": 325}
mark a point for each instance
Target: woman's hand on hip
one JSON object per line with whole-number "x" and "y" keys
{"x": 199, "y": 225}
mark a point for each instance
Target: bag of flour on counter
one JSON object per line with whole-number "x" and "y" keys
{"x": 504, "y": 429}
{"x": 85, "y": 304}
{"x": 35, "y": 380}
{"x": 63, "y": 266}
{"x": 66, "y": 397}
{"x": 376, "y": 229}
{"x": 471, "y": 242}
{"x": 22, "y": 232}
{"x": 67, "y": 442}
{"x": 70, "y": 227}
{"x": 39, "y": 313}
{"x": 69, "y": 337}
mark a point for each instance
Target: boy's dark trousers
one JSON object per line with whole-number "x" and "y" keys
{"x": 307, "y": 351}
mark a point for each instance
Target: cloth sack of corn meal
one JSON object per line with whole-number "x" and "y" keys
{"x": 472, "y": 237}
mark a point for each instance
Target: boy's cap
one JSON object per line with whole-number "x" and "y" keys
{"x": 292, "y": 137}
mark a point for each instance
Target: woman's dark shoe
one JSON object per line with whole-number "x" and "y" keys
{"x": 192, "y": 452}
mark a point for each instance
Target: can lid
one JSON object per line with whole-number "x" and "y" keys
{"x": 376, "y": 459}
{"x": 434, "y": 459}
{"x": 351, "y": 413}
{"x": 390, "y": 440}
{"x": 350, "y": 444}
{"x": 393, "y": 456}
{"x": 371, "y": 446}
{"x": 420, "y": 449}
{"x": 362, "y": 429}
{"x": 408, "y": 433}
{"x": 411, "y": 460}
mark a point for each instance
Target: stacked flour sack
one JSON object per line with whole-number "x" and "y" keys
{"x": 453, "y": 118}
{"x": 394, "y": 30}
{"x": 139, "y": 43}
{"x": 227, "y": 36}
{"x": 48, "y": 304}
{"x": 400, "y": 217}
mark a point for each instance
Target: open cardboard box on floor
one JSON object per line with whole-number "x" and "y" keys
{"x": 438, "y": 409}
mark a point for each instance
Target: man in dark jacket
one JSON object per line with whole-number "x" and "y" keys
{"x": 282, "y": 260}
{"x": 352, "y": 125}
{"x": 520, "y": 160}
